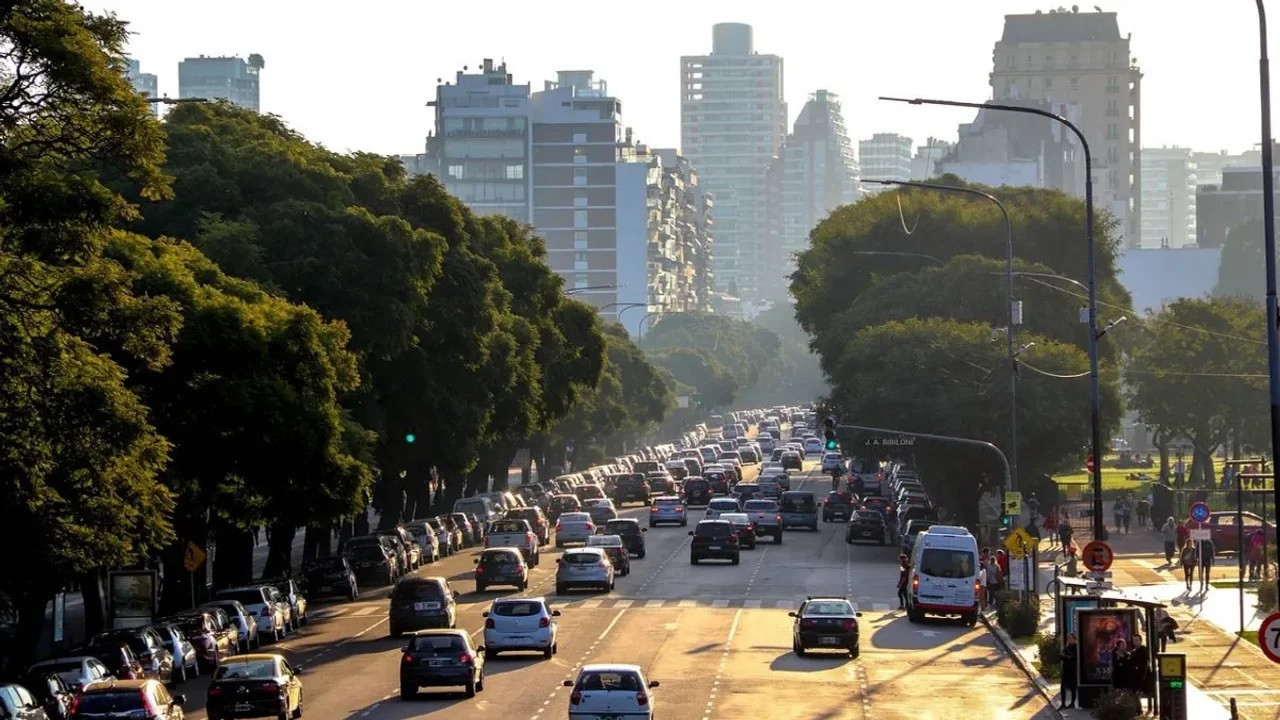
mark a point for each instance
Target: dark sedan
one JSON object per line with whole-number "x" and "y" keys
{"x": 251, "y": 686}
{"x": 331, "y": 576}
{"x": 866, "y": 526}
{"x": 418, "y": 603}
{"x": 441, "y": 658}
{"x": 838, "y": 506}
{"x": 829, "y": 623}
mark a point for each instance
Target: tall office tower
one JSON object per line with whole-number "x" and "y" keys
{"x": 222, "y": 78}
{"x": 884, "y": 156}
{"x": 145, "y": 83}
{"x": 732, "y": 123}
{"x": 1168, "y": 197}
{"x": 815, "y": 173}
{"x": 481, "y": 146}
{"x": 1081, "y": 63}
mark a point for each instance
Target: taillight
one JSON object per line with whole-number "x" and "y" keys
{"x": 486, "y": 541}
{"x": 679, "y": 509}
{"x": 778, "y": 518}
{"x": 559, "y": 527}
{"x": 590, "y": 526}
{"x": 531, "y": 538}
{"x": 465, "y": 658}
{"x": 479, "y": 571}
{"x": 642, "y": 699}
{"x": 575, "y": 697}
{"x": 807, "y": 624}
{"x": 849, "y": 625}
{"x": 542, "y": 622}
{"x": 488, "y": 624}
{"x": 915, "y": 584}
{"x": 271, "y": 687}
{"x": 653, "y": 509}
{"x": 604, "y": 564}
{"x": 75, "y": 703}
{"x": 731, "y": 537}
{"x": 213, "y": 690}
{"x": 407, "y": 659}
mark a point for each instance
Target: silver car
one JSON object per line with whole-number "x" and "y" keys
{"x": 601, "y": 511}
{"x": 668, "y": 509}
{"x": 574, "y": 527}
{"x": 584, "y": 567}
{"x": 719, "y": 506}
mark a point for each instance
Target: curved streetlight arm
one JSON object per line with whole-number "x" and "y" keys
{"x": 1051, "y": 276}
{"x": 939, "y": 261}
{"x": 630, "y": 306}
{"x": 1008, "y": 474}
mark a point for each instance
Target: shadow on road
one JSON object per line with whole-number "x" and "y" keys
{"x": 510, "y": 663}
{"x": 428, "y": 700}
{"x": 790, "y": 662}
{"x": 901, "y": 634}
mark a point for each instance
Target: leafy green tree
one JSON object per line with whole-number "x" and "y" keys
{"x": 797, "y": 375}
{"x": 715, "y": 385}
{"x": 79, "y": 456}
{"x": 740, "y": 352}
{"x": 1199, "y": 371}
{"x": 1241, "y": 270}
{"x": 945, "y": 377}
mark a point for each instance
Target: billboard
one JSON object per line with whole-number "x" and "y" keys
{"x": 132, "y": 597}
{"x": 1071, "y": 603}
{"x": 1099, "y": 630}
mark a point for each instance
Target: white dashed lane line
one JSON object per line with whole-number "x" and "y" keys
{"x": 724, "y": 662}
{"x": 586, "y": 655}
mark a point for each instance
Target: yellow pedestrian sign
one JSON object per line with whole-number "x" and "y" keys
{"x": 1012, "y": 503}
{"x": 193, "y": 558}
{"x": 1019, "y": 543}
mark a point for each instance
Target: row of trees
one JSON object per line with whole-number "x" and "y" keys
{"x": 906, "y": 308}
{"x": 213, "y": 324}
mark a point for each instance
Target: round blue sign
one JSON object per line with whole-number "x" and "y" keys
{"x": 1199, "y": 512}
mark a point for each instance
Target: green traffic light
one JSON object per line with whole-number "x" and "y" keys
{"x": 831, "y": 444}
{"x": 1005, "y": 521}
{"x": 410, "y": 438}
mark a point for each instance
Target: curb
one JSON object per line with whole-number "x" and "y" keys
{"x": 1011, "y": 648}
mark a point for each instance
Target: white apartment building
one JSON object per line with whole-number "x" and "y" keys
{"x": 732, "y": 123}
{"x": 885, "y": 156}
{"x": 1168, "y": 197}
{"x": 928, "y": 157}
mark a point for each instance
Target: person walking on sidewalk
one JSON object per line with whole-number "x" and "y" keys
{"x": 1143, "y": 681}
{"x": 1126, "y": 512}
{"x": 1051, "y": 527}
{"x": 1166, "y": 628}
{"x": 1069, "y": 657}
{"x": 1170, "y": 534}
{"x": 1206, "y": 551}
{"x": 1065, "y": 533}
{"x": 1257, "y": 542}
{"x": 904, "y": 575}
{"x": 1143, "y": 510}
{"x": 1187, "y": 559}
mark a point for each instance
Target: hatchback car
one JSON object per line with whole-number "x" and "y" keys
{"x": 51, "y": 694}
{"x": 697, "y": 492}
{"x": 791, "y": 460}
{"x": 745, "y": 528}
{"x": 148, "y": 699}
{"x": 584, "y": 567}
{"x": 838, "y": 506}
{"x": 574, "y": 527}
{"x": 631, "y": 533}
{"x": 611, "y": 691}
{"x": 148, "y": 648}
{"x": 186, "y": 663}
{"x": 714, "y": 540}
{"x": 668, "y": 509}
{"x": 76, "y": 671}
{"x": 866, "y": 526}
{"x": 616, "y": 551}
{"x": 332, "y": 576}
{"x": 825, "y": 622}
{"x": 259, "y": 685}
{"x": 501, "y": 566}
{"x": 441, "y": 658}
{"x": 722, "y": 505}
{"x": 418, "y": 603}
{"x": 260, "y": 601}
{"x": 520, "y": 624}
{"x": 211, "y": 642}
{"x": 601, "y": 511}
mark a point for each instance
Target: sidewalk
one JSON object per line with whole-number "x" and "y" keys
{"x": 1220, "y": 665}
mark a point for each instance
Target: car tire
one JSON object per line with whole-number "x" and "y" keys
{"x": 970, "y": 619}
{"x": 641, "y": 555}
{"x": 297, "y": 712}
{"x": 854, "y": 651}
{"x": 546, "y": 654}
{"x": 653, "y": 525}
{"x": 394, "y": 632}
{"x": 736, "y": 559}
{"x": 408, "y": 692}
{"x": 560, "y": 543}
{"x": 480, "y": 588}
{"x": 490, "y": 654}
{"x": 914, "y": 616}
{"x": 471, "y": 688}
{"x": 798, "y": 649}
{"x": 777, "y": 538}
{"x": 560, "y": 589}
{"x": 693, "y": 560}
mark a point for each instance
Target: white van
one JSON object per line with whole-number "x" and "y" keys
{"x": 944, "y": 575}
{"x": 481, "y": 507}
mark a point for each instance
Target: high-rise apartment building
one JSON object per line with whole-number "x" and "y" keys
{"x": 733, "y": 120}
{"x": 885, "y": 156}
{"x": 1080, "y": 59}
{"x": 682, "y": 248}
{"x": 145, "y": 83}
{"x": 927, "y": 158}
{"x": 222, "y": 78}
{"x": 815, "y": 173}
{"x": 1168, "y": 197}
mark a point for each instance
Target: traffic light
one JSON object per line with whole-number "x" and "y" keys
{"x": 410, "y": 438}
{"x": 831, "y": 438}
{"x": 1006, "y": 522}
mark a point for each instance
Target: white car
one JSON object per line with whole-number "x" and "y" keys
{"x": 520, "y": 624}
{"x": 721, "y": 505}
{"x": 263, "y": 604}
{"x": 831, "y": 461}
{"x": 574, "y": 527}
{"x": 611, "y": 691}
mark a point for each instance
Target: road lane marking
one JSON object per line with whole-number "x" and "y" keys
{"x": 724, "y": 661}
{"x": 720, "y": 603}
{"x": 582, "y": 660}
{"x": 752, "y": 603}
{"x": 364, "y": 612}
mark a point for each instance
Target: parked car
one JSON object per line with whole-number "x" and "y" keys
{"x": 186, "y": 663}
{"x": 148, "y": 699}
{"x": 291, "y": 593}
{"x": 51, "y": 694}
{"x": 117, "y": 656}
{"x": 263, "y": 606}
{"x": 212, "y": 643}
{"x": 331, "y": 576}
{"x": 76, "y": 671}
{"x": 245, "y": 622}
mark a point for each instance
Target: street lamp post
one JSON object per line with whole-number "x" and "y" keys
{"x": 590, "y": 288}
{"x": 166, "y": 100}
{"x": 1269, "y": 248}
{"x": 1095, "y": 393}
{"x": 1011, "y": 333}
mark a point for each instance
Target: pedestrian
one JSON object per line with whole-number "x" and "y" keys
{"x": 1121, "y": 666}
{"x": 1117, "y": 512}
{"x": 1187, "y": 559}
{"x": 1166, "y": 628}
{"x": 982, "y": 586}
{"x": 904, "y": 580}
{"x": 1073, "y": 557}
{"x": 1069, "y": 657}
{"x": 1126, "y": 512}
{"x": 1144, "y": 512}
{"x": 1257, "y": 542}
{"x": 1002, "y": 559}
{"x": 1170, "y": 534}
{"x": 1051, "y": 527}
{"x": 1184, "y": 533}
{"x": 1143, "y": 680}
{"x": 1065, "y": 533}
{"x": 995, "y": 579}
{"x": 1206, "y": 551}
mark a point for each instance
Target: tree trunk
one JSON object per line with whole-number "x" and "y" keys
{"x": 95, "y": 617}
{"x": 234, "y": 563}
{"x": 280, "y": 549}
{"x": 316, "y": 542}
{"x": 1163, "y": 447}
{"x": 31, "y": 624}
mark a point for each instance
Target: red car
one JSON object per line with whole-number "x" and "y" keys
{"x": 1224, "y": 532}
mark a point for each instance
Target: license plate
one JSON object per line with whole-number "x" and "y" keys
{"x": 518, "y": 638}
{"x": 830, "y": 641}
{"x": 426, "y": 606}
{"x": 435, "y": 663}
{"x": 866, "y": 533}
{"x": 714, "y": 547}
{"x": 243, "y": 707}
{"x": 326, "y": 588}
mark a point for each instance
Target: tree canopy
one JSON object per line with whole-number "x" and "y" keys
{"x": 1241, "y": 270}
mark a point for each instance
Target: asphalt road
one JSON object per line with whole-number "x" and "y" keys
{"x": 717, "y": 636}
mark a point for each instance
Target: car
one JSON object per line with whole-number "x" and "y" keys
{"x": 631, "y": 487}
{"x": 418, "y": 603}
{"x": 832, "y": 462}
{"x": 911, "y": 532}
{"x": 791, "y": 460}
{"x": 944, "y": 575}
{"x": 186, "y": 663}
{"x": 537, "y": 521}
{"x": 117, "y": 656}
{"x": 615, "y": 549}
{"x": 767, "y": 518}
{"x": 697, "y": 492}
{"x": 331, "y": 576}
{"x": 837, "y": 505}
{"x": 501, "y": 566}
{"x": 257, "y": 685}
{"x": 866, "y": 526}
{"x": 441, "y": 658}
{"x": 584, "y": 567}
{"x": 830, "y": 623}
{"x": 148, "y": 648}
{"x": 720, "y": 505}
{"x": 245, "y": 624}
{"x": 516, "y": 534}
{"x": 631, "y": 533}
{"x": 128, "y": 699}
{"x": 561, "y": 504}
{"x": 290, "y": 592}
{"x": 799, "y": 508}
{"x": 574, "y": 527}
{"x": 51, "y": 694}
{"x": 76, "y": 671}
{"x": 745, "y": 528}
{"x": 668, "y": 509}
{"x": 211, "y": 641}
{"x": 520, "y": 625}
{"x": 714, "y": 540}
{"x": 611, "y": 691}
{"x": 261, "y": 602}
{"x": 601, "y": 511}
{"x": 428, "y": 542}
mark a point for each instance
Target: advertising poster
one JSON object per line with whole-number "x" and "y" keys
{"x": 1099, "y": 629}
{"x": 1071, "y": 603}
{"x": 131, "y": 596}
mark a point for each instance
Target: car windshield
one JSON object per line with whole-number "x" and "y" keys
{"x": 946, "y": 563}
{"x": 581, "y": 558}
{"x": 870, "y": 516}
{"x": 799, "y": 503}
{"x": 330, "y": 564}
{"x": 507, "y": 526}
{"x": 363, "y": 552}
{"x": 714, "y": 529}
{"x": 250, "y": 670}
{"x": 436, "y": 643}
{"x": 735, "y": 518}
{"x": 758, "y": 505}
{"x": 575, "y": 517}
{"x": 622, "y": 528}
{"x": 69, "y": 672}
{"x": 605, "y": 681}
{"x": 190, "y": 624}
{"x": 113, "y": 701}
{"x": 667, "y": 502}
{"x": 828, "y": 607}
{"x": 517, "y": 609}
{"x": 724, "y": 503}
{"x": 839, "y": 498}
{"x": 499, "y": 558}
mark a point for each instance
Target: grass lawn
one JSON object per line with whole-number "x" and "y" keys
{"x": 1250, "y": 635}
{"x": 1249, "y": 585}
{"x": 1116, "y": 479}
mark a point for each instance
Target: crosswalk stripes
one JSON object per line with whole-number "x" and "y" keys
{"x": 620, "y": 603}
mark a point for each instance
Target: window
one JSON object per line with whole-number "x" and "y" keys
{"x": 515, "y": 172}
{"x": 580, "y": 202}
{"x": 580, "y": 257}
{"x": 828, "y": 607}
{"x": 1048, "y": 82}
{"x": 609, "y": 681}
{"x": 438, "y": 643}
{"x": 579, "y": 281}
{"x": 580, "y": 219}
{"x": 579, "y": 137}
{"x": 579, "y": 159}
{"x": 517, "y": 609}
{"x": 946, "y": 563}
{"x": 455, "y": 171}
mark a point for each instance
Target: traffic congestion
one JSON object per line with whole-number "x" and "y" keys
{"x": 460, "y": 608}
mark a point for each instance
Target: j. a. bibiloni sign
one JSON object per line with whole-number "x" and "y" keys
{"x": 899, "y": 441}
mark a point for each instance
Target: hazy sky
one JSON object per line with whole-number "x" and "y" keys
{"x": 358, "y": 75}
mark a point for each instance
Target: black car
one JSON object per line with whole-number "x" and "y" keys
{"x": 418, "y": 603}
{"x": 51, "y": 692}
{"x": 866, "y": 526}
{"x": 630, "y": 487}
{"x": 501, "y": 566}
{"x": 697, "y": 492}
{"x": 331, "y": 577}
{"x": 837, "y": 506}
{"x": 631, "y": 533}
{"x": 661, "y": 483}
{"x": 830, "y": 623}
{"x": 714, "y": 540}
{"x": 441, "y": 658}
{"x": 719, "y": 482}
{"x": 252, "y": 686}
{"x": 373, "y": 562}
{"x": 147, "y": 648}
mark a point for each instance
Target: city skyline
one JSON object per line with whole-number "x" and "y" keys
{"x": 328, "y": 96}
